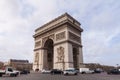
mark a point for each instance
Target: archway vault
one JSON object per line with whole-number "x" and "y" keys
{"x": 48, "y": 54}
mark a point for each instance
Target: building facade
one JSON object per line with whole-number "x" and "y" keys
{"x": 1, "y": 64}
{"x": 58, "y": 44}
{"x": 20, "y": 64}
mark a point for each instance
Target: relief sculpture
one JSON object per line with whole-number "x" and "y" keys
{"x": 60, "y": 52}
{"x": 60, "y": 36}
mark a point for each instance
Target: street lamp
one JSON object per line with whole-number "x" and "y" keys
{"x": 117, "y": 65}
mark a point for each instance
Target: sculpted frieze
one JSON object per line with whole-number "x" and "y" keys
{"x": 60, "y": 36}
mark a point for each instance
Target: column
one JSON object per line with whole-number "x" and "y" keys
{"x": 80, "y": 57}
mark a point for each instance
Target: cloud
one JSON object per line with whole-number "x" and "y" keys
{"x": 102, "y": 29}
{"x": 99, "y": 19}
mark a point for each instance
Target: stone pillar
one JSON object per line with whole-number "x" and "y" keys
{"x": 69, "y": 56}
{"x": 36, "y": 60}
{"x": 80, "y": 57}
{"x": 61, "y": 56}
{"x": 44, "y": 62}
{"x": 40, "y": 60}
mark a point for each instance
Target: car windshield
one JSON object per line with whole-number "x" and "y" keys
{"x": 9, "y": 69}
{"x": 68, "y": 70}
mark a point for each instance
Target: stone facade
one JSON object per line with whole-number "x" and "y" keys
{"x": 58, "y": 44}
{"x": 20, "y": 64}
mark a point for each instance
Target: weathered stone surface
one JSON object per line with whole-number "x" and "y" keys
{"x": 58, "y": 44}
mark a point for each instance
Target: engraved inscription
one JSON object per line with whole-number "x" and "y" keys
{"x": 60, "y": 36}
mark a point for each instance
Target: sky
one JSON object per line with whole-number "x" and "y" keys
{"x": 100, "y": 20}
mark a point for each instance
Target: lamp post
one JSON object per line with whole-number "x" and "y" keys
{"x": 117, "y": 65}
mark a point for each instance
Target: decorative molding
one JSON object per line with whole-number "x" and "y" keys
{"x": 49, "y": 31}
{"x": 42, "y": 48}
{"x": 57, "y": 19}
{"x": 37, "y": 37}
{"x": 64, "y": 62}
{"x": 73, "y": 43}
{"x": 60, "y": 36}
{"x": 52, "y": 28}
{"x": 74, "y": 37}
{"x": 46, "y": 38}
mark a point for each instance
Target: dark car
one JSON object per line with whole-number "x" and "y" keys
{"x": 113, "y": 71}
{"x": 25, "y": 71}
{"x": 56, "y": 71}
{"x": 98, "y": 70}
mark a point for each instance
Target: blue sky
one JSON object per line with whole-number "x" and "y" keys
{"x": 100, "y": 20}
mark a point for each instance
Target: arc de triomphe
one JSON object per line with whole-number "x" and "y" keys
{"x": 58, "y": 44}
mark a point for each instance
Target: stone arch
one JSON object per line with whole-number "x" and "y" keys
{"x": 50, "y": 37}
{"x": 59, "y": 36}
{"x": 75, "y": 58}
{"x": 48, "y": 54}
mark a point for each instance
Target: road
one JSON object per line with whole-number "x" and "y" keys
{"x": 39, "y": 76}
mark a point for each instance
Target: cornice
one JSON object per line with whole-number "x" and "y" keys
{"x": 58, "y": 25}
{"x": 56, "y": 19}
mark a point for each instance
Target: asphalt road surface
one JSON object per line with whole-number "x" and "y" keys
{"x": 39, "y": 76}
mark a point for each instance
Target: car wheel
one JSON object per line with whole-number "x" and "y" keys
{"x": 75, "y": 74}
{"x": 83, "y": 72}
{"x": 66, "y": 73}
{"x": 0, "y": 75}
{"x": 12, "y": 75}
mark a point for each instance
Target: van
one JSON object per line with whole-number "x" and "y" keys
{"x": 86, "y": 70}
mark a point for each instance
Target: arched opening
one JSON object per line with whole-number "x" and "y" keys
{"x": 49, "y": 54}
{"x": 75, "y": 58}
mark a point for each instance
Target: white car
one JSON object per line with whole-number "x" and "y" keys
{"x": 70, "y": 72}
{"x": 45, "y": 71}
{"x": 8, "y": 71}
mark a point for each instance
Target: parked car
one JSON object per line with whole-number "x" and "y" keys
{"x": 8, "y": 71}
{"x": 45, "y": 71}
{"x": 25, "y": 71}
{"x": 77, "y": 70}
{"x": 113, "y": 71}
{"x": 86, "y": 71}
{"x": 98, "y": 70}
{"x": 56, "y": 71}
{"x": 70, "y": 72}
